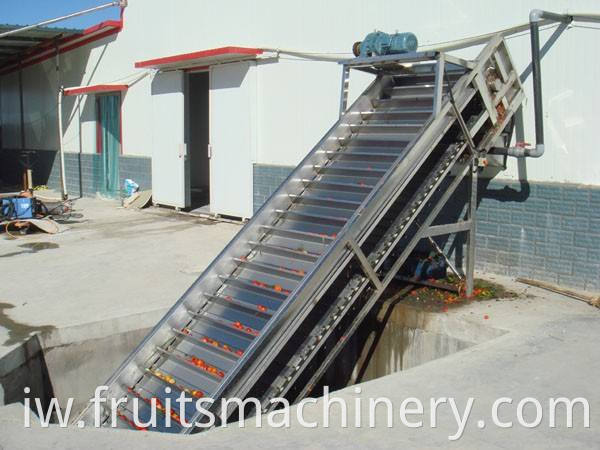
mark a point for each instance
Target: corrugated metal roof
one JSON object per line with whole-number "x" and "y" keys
{"x": 15, "y": 46}
{"x": 39, "y": 44}
{"x": 4, "y": 27}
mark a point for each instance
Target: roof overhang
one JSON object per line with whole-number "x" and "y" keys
{"x": 13, "y": 45}
{"x": 49, "y": 41}
{"x": 200, "y": 59}
{"x": 95, "y": 89}
{"x": 105, "y": 87}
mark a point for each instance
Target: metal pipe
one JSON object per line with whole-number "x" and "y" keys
{"x": 538, "y": 150}
{"x": 473, "y": 40}
{"x": 121, "y": 3}
{"x": 537, "y": 15}
{"x": 542, "y": 17}
{"x": 63, "y": 182}
{"x": 328, "y": 57}
{"x": 546, "y": 19}
{"x": 536, "y": 18}
{"x": 581, "y": 17}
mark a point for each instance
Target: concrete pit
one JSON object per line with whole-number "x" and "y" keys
{"x": 71, "y": 362}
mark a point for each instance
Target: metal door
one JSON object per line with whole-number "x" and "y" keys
{"x": 232, "y": 138}
{"x": 169, "y": 154}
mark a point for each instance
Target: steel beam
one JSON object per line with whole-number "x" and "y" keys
{"x": 470, "y": 269}
{"x": 438, "y": 230}
{"x": 439, "y": 83}
{"x": 364, "y": 263}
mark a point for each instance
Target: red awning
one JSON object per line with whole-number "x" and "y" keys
{"x": 96, "y": 88}
{"x": 200, "y": 59}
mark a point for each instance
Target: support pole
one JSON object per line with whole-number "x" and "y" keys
{"x": 63, "y": 180}
{"x": 470, "y": 269}
{"x": 21, "y": 109}
{"x": 25, "y": 158}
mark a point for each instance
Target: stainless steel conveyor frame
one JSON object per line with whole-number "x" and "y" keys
{"x": 272, "y": 311}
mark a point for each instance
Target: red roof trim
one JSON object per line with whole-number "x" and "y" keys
{"x": 90, "y": 39}
{"x": 46, "y": 50}
{"x": 198, "y": 55}
{"x": 96, "y": 88}
{"x": 101, "y": 25}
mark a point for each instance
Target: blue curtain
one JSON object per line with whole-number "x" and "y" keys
{"x": 109, "y": 109}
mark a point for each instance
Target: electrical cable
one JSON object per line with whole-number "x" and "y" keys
{"x": 328, "y": 56}
{"x": 587, "y": 27}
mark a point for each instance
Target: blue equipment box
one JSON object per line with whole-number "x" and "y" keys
{"x": 17, "y": 208}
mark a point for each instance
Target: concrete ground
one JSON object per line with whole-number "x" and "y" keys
{"x": 109, "y": 263}
{"x": 121, "y": 262}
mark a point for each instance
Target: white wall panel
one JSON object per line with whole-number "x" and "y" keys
{"x": 232, "y": 126}
{"x": 298, "y": 101}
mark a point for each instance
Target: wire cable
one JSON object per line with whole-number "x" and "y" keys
{"x": 587, "y": 27}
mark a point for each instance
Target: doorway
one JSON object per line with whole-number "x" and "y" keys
{"x": 197, "y": 138}
{"x": 108, "y": 144}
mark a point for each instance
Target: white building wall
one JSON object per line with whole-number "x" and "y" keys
{"x": 298, "y": 100}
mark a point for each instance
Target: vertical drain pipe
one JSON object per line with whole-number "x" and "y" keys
{"x": 63, "y": 182}
{"x": 534, "y": 28}
{"x": 520, "y": 151}
{"x": 536, "y": 17}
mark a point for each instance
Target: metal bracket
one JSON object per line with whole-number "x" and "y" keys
{"x": 364, "y": 263}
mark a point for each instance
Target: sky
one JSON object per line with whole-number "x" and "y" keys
{"x": 27, "y": 12}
